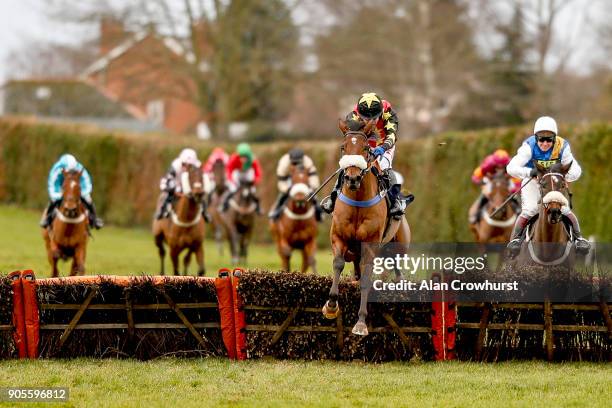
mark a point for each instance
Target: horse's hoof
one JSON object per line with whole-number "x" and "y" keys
{"x": 330, "y": 313}
{"x": 360, "y": 329}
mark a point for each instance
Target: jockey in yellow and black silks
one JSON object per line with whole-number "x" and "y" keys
{"x": 370, "y": 106}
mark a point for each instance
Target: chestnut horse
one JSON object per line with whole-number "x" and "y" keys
{"x": 498, "y": 227}
{"x": 296, "y": 228}
{"x": 220, "y": 224}
{"x": 185, "y": 227}
{"x": 359, "y": 216}
{"x": 548, "y": 240}
{"x": 240, "y": 217}
{"x": 67, "y": 235}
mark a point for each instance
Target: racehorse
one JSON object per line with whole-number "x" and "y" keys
{"x": 184, "y": 229}
{"x": 296, "y": 228}
{"x": 240, "y": 217}
{"x": 498, "y": 227}
{"x": 360, "y": 216}
{"x": 219, "y": 222}
{"x": 548, "y": 240}
{"x": 67, "y": 235}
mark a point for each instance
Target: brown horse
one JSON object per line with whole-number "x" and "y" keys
{"x": 67, "y": 235}
{"x": 498, "y": 227}
{"x": 185, "y": 227}
{"x": 296, "y": 228}
{"x": 548, "y": 239}
{"x": 219, "y": 222}
{"x": 359, "y": 216}
{"x": 240, "y": 217}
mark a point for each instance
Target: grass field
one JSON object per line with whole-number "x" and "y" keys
{"x": 196, "y": 383}
{"x": 206, "y": 382}
{"x": 116, "y": 251}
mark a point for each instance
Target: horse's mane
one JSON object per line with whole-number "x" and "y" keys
{"x": 355, "y": 125}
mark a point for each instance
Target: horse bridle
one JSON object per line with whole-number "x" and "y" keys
{"x": 354, "y": 133}
{"x": 552, "y": 186}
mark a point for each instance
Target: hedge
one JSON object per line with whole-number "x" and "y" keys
{"x": 126, "y": 171}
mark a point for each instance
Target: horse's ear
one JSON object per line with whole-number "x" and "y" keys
{"x": 369, "y": 125}
{"x": 565, "y": 168}
{"x": 342, "y": 126}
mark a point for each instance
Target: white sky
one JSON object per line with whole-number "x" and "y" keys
{"x": 24, "y": 20}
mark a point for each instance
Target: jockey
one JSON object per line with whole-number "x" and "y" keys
{"x": 546, "y": 148}
{"x": 295, "y": 157}
{"x": 371, "y": 106}
{"x": 242, "y": 166}
{"x": 68, "y": 162}
{"x": 481, "y": 176}
{"x": 170, "y": 183}
{"x": 217, "y": 155}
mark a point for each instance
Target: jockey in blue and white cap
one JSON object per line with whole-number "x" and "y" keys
{"x": 170, "y": 183}
{"x": 546, "y": 148}
{"x": 68, "y": 162}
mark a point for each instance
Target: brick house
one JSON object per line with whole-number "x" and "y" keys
{"x": 142, "y": 75}
{"x": 149, "y": 72}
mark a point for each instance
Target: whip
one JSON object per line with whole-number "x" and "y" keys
{"x": 510, "y": 198}
{"x": 323, "y": 185}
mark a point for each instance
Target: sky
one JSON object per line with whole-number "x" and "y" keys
{"x": 24, "y": 20}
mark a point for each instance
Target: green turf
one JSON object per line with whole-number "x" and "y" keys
{"x": 117, "y": 251}
{"x": 214, "y": 382}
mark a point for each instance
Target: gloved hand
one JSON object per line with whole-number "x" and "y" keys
{"x": 378, "y": 151}
{"x": 533, "y": 172}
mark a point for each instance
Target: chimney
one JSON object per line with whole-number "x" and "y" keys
{"x": 111, "y": 34}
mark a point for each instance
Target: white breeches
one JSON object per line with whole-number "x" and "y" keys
{"x": 386, "y": 160}
{"x": 238, "y": 176}
{"x": 530, "y": 197}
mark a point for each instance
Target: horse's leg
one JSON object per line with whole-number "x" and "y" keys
{"x": 159, "y": 241}
{"x": 361, "y": 327}
{"x": 174, "y": 256}
{"x": 284, "y": 251}
{"x": 331, "y": 308}
{"x": 199, "y": 253}
{"x": 187, "y": 261}
{"x": 308, "y": 257}
{"x": 219, "y": 238}
{"x": 78, "y": 261}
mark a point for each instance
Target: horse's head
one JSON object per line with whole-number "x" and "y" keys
{"x": 300, "y": 189}
{"x": 192, "y": 182}
{"x": 498, "y": 191}
{"x": 71, "y": 193}
{"x": 553, "y": 190}
{"x": 356, "y": 159}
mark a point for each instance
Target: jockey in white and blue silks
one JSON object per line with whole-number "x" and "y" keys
{"x": 68, "y": 162}
{"x": 546, "y": 148}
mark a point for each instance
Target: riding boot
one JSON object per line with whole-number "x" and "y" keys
{"x": 474, "y": 216}
{"x": 257, "y": 205}
{"x": 318, "y": 210}
{"x": 205, "y": 213}
{"x": 225, "y": 199}
{"x": 394, "y": 190}
{"x": 328, "y": 203}
{"x": 48, "y": 215}
{"x": 514, "y": 246}
{"x": 162, "y": 209}
{"x": 94, "y": 221}
{"x": 276, "y": 210}
{"x": 582, "y": 245}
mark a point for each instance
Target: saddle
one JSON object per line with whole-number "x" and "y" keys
{"x": 391, "y": 224}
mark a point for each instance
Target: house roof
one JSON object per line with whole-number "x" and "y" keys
{"x": 61, "y": 98}
{"x": 101, "y": 63}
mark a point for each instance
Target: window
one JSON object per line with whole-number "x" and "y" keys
{"x": 155, "y": 112}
